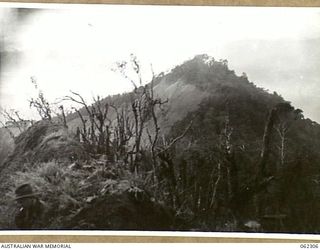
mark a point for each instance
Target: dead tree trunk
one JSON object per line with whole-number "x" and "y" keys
{"x": 265, "y": 151}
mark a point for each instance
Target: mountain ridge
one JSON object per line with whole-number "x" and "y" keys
{"x": 189, "y": 83}
{"x": 218, "y": 154}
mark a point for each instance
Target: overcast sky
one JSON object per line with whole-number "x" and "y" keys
{"x": 75, "y": 47}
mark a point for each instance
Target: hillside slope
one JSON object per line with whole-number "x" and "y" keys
{"x": 249, "y": 152}
{"x": 229, "y": 156}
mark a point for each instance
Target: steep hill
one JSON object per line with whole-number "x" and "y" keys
{"x": 249, "y": 152}
{"x": 220, "y": 155}
{"x": 187, "y": 85}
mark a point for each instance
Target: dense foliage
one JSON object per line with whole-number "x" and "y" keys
{"x": 248, "y": 156}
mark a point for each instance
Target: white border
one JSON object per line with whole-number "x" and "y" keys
{"x": 166, "y": 234}
{"x": 105, "y": 5}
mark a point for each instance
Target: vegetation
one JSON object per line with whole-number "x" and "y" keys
{"x": 243, "y": 160}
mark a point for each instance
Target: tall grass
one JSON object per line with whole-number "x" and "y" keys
{"x": 6, "y": 145}
{"x": 65, "y": 189}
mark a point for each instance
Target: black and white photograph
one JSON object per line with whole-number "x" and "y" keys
{"x": 160, "y": 118}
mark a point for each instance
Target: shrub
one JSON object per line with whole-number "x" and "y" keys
{"x": 6, "y": 145}
{"x": 59, "y": 187}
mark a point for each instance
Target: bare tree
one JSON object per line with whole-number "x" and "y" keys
{"x": 40, "y": 103}
{"x": 123, "y": 132}
{"x": 286, "y": 116}
{"x": 144, "y": 106}
{"x": 13, "y": 120}
{"x": 97, "y": 136}
{"x": 145, "y": 110}
{"x": 62, "y": 116}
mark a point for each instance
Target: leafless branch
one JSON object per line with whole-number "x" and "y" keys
{"x": 175, "y": 140}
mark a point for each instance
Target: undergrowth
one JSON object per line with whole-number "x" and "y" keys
{"x": 66, "y": 189}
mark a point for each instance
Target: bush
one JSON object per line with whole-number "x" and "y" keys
{"x": 6, "y": 145}
{"x": 59, "y": 187}
{"x": 66, "y": 189}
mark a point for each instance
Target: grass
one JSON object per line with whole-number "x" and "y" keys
{"x": 6, "y": 145}
{"x": 65, "y": 188}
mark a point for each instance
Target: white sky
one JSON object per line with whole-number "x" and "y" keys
{"x": 75, "y": 47}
